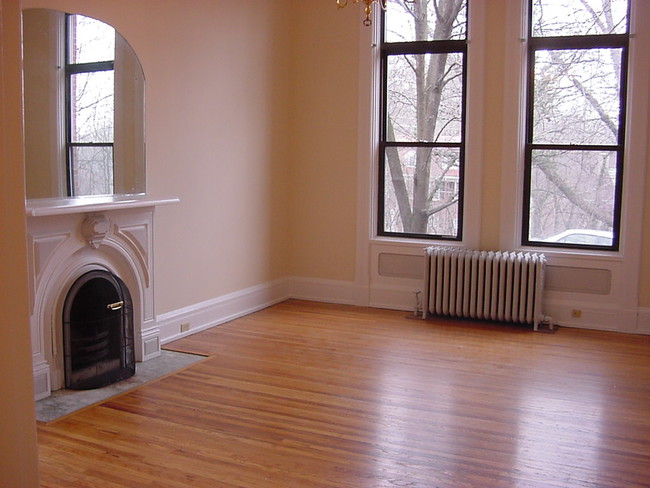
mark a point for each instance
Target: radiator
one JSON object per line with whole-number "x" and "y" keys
{"x": 501, "y": 286}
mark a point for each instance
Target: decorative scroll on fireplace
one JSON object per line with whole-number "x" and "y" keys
{"x": 98, "y": 331}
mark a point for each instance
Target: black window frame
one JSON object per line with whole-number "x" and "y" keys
{"x": 70, "y": 70}
{"x": 575, "y": 42}
{"x": 387, "y": 49}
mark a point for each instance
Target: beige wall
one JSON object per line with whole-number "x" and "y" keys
{"x": 323, "y": 138}
{"x": 493, "y": 128}
{"x": 18, "y": 455}
{"x": 216, "y": 134}
{"x": 644, "y": 289}
{"x": 252, "y": 120}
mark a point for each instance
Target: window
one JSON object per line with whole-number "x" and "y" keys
{"x": 575, "y": 130}
{"x": 90, "y": 103}
{"x": 422, "y": 134}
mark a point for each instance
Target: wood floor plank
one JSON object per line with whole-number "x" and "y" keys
{"x": 318, "y": 395}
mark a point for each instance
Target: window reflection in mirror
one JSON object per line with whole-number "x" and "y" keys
{"x": 84, "y": 108}
{"x": 90, "y": 105}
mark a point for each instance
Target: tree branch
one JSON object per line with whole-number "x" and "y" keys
{"x": 572, "y": 196}
{"x": 397, "y": 179}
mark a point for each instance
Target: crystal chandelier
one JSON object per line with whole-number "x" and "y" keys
{"x": 367, "y": 9}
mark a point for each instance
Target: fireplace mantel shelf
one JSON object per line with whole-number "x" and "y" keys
{"x": 43, "y": 207}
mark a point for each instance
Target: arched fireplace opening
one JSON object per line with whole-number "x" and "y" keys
{"x": 98, "y": 331}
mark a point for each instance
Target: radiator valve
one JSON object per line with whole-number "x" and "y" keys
{"x": 548, "y": 321}
{"x": 417, "y": 310}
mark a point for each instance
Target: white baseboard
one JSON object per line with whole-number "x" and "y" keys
{"x": 596, "y": 317}
{"x": 214, "y": 312}
{"x": 394, "y": 298}
{"x": 348, "y": 293}
{"x": 223, "y": 309}
{"x": 234, "y": 305}
{"x": 317, "y": 290}
{"x": 42, "y": 384}
{"x": 643, "y": 321}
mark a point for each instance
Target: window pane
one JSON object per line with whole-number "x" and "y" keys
{"x": 92, "y": 106}
{"x": 424, "y": 98}
{"x": 422, "y": 190}
{"x": 401, "y": 20}
{"x": 90, "y": 40}
{"x": 92, "y": 170}
{"x": 578, "y": 18}
{"x": 577, "y": 96}
{"x": 572, "y": 196}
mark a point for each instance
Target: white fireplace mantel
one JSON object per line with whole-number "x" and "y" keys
{"x": 43, "y": 207}
{"x": 68, "y": 237}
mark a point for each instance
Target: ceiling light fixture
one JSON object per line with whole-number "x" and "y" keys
{"x": 367, "y": 9}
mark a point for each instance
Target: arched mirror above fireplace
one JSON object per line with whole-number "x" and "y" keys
{"x": 84, "y": 108}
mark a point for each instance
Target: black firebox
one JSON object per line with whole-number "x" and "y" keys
{"x": 98, "y": 332}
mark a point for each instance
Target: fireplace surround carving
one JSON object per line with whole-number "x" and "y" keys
{"x": 68, "y": 238}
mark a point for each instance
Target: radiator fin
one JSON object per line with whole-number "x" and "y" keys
{"x": 501, "y": 286}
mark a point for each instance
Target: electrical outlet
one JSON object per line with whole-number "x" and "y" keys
{"x": 576, "y": 314}
{"x": 185, "y": 326}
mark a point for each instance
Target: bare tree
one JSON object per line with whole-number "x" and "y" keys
{"x": 92, "y": 107}
{"x": 415, "y": 99}
{"x": 577, "y": 102}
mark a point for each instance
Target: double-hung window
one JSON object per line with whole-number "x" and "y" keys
{"x": 422, "y": 133}
{"x": 90, "y": 103}
{"x": 575, "y": 129}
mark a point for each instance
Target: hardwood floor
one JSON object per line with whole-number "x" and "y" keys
{"x": 329, "y": 396}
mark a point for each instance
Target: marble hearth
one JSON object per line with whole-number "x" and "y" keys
{"x": 72, "y": 236}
